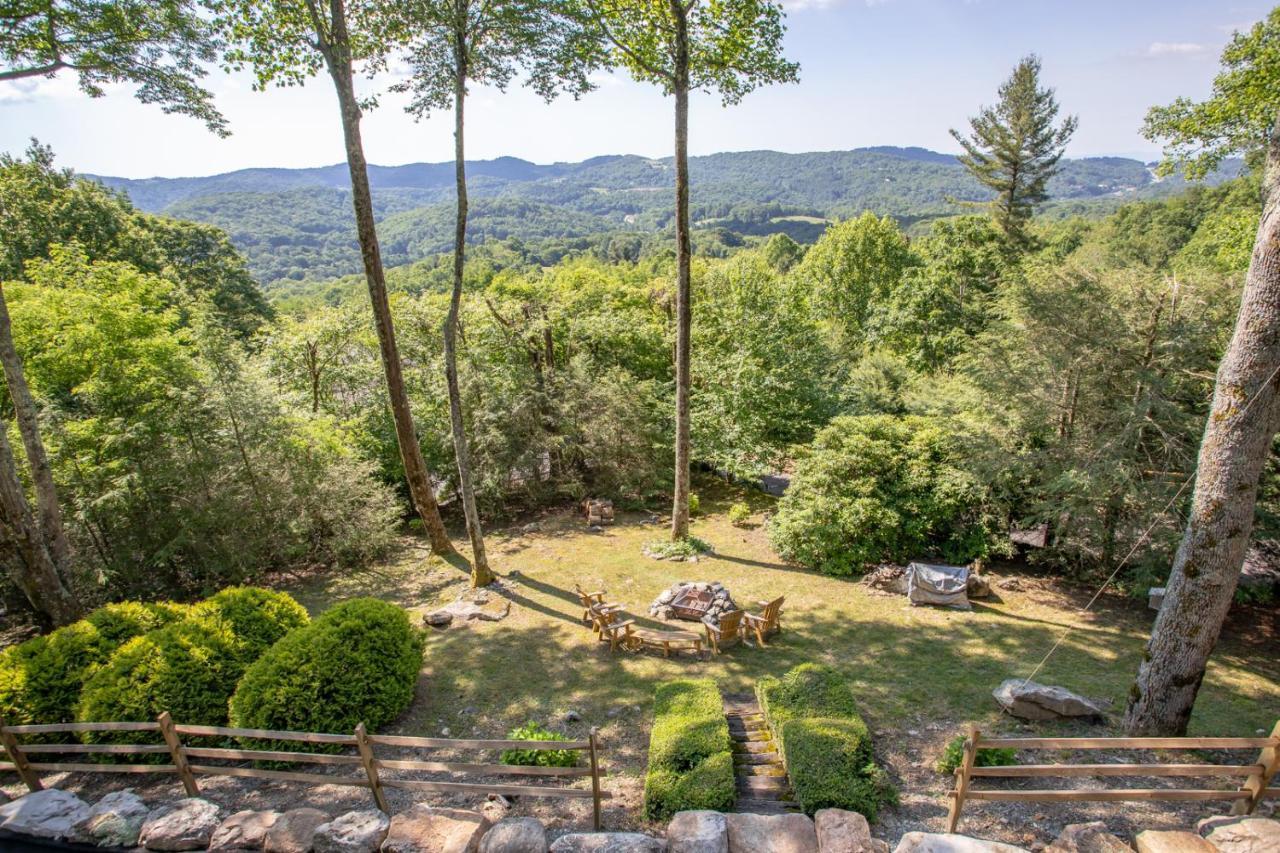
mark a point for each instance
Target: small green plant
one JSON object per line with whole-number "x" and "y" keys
{"x": 739, "y": 513}
{"x": 953, "y": 754}
{"x": 666, "y": 549}
{"x": 695, "y": 504}
{"x": 538, "y": 757}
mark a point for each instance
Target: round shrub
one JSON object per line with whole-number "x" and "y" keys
{"x": 739, "y": 514}
{"x": 188, "y": 669}
{"x": 807, "y": 690}
{"x": 879, "y": 488}
{"x": 255, "y": 618}
{"x": 831, "y": 766}
{"x": 357, "y": 662}
{"x": 119, "y": 623}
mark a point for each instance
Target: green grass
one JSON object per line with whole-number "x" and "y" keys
{"x": 909, "y": 667}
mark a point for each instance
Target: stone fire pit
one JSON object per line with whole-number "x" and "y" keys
{"x": 710, "y": 600}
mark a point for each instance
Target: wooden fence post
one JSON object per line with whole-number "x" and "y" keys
{"x": 370, "y": 768}
{"x": 19, "y": 759}
{"x": 962, "y": 779}
{"x": 179, "y": 757}
{"x": 595, "y": 778}
{"x": 1268, "y": 765}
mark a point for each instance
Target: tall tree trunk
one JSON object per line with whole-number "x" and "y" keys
{"x": 684, "y": 316}
{"x": 481, "y": 574}
{"x": 415, "y": 467}
{"x": 1236, "y": 444}
{"x": 31, "y": 565}
{"x": 24, "y": 407}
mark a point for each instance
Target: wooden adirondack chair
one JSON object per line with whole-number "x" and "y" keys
{"x": 768, "y": 622}
{"x": 726, "y": 633}
{"x": 590, "y": 600}
{"x": 609, "y": 625}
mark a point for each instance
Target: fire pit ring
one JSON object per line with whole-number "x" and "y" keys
{"x": 693, "y": 601}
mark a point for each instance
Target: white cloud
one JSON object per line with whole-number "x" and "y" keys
{"x": 1175, "y": 48}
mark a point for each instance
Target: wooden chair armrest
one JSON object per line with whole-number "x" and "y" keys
{"x": 712, "y": 628}
{"x": 753, "y": 618}
{"x": 597, "y": 595}
{"x": 763, "y": 603}
{"x": 616, "y": 625}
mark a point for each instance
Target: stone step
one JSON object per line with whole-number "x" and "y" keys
{"x": 749, "y": 725}
{"x": 763, "y": 784}
{"x": 749, "y": 759}
{"x": 754, "y": 746}
{"x": 773, "y": 769}
{"x": 757, "y": 806}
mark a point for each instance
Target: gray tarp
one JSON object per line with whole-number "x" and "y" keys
{"x": 934, "y": 584}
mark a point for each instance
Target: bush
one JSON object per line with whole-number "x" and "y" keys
{"x": 665, "y": 549}
{"x": 255, "y": 618}
{"x": 188, "y": 669}
{"x": 690, "y": 753}
{"x": 695, "y": 504}
{"x": 878, "y": 488}
{"x": 356, "y": 663}
{"x": 953, "y": 754}
{"x": 823, "y": 741}
{"x": 738, "y": 514}
{"x": 538, "y": 757}
{"x": 119, "y": 623}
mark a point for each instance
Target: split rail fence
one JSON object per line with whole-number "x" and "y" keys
{"x": 1257, "y": 775}
{"x": 356, "y": 750}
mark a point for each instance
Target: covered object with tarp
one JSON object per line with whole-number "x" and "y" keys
{"x": 931, "y": 583}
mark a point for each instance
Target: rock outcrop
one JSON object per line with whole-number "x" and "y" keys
{"x": 45, "y": 814}
{"x": 515, "y": 835}
{"x": 698, "y": 832}
{"x": 778, "y": 833}
{"x": 354, "y": 832}
{"x": 114, "y": 821}
{"x": 425, "y": 829}
{"x": 243, "y": 831}
{"x": 294, "y": 831}
{"x": 1032, "y": 701}
{"x": 185, "y": 825}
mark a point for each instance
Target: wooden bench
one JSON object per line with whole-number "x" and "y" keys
{"x": 668, "y": 640}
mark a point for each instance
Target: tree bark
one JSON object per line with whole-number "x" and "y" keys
{"x": 49, "y": 512}
{"x": 1236, "y": 444}
{"x": 338, "y": 60}
{"x": 680, "y": 508}
{"x": 481, "y": 574}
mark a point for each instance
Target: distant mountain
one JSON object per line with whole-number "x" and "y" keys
{"x": 296, "y": 224}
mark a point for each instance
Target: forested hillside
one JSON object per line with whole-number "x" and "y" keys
{"x": 295, "y": 224}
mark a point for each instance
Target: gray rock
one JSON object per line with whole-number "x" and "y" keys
{"x": 1087, "y": 838}
{"x": 353, "y": 832}
{"x": 698, "y": 832}
{"x": 977, "y": 587}
{"x": 890, "y": 579}
{"x": 438, "y": 619}
{"x": 244, "y": 830}
{"x": 49, "y": 813}
{"x": 185, "y": 825}
{"x": 782, "y": 833}
{"x": 608, "y": 842}
{"x": 937, "y": 842}
{"x": 1032, "y": 701}
{"x": 114, "y": 821}
{"x": 1245, "y": 834}
{"x": 572, "y": 717}
{"x": 841, "y": 831}
{"x": 294, "y": 831}
{"x": 425, "y": 829}
{"x": 1152, "y": 841}
{"x": 515, "y": 835}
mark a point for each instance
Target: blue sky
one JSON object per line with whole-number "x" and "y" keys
{"x": 873, "y": 72}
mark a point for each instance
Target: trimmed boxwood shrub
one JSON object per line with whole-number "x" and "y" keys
{"x": 690, "y": 753}
{"x": 119, "y": 623}
{"x": 188, "y": 669}
{"x": 823, "y": 741}
{"x": 254, "y": 617}
{"x": 356, "y": 662}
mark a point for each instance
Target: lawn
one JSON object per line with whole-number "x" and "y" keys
{"x": 921, "y": 674}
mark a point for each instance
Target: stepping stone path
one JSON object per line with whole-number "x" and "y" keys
{"x": 760, "y": 774}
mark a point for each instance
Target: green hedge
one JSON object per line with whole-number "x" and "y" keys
{"x": 255, "y": 618}
{"x": 690, "y": 753}
{"x": 357, "y": 662}
{"x": 823, "y": 741}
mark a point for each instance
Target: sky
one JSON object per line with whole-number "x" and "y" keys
{"x": 873, "y": 72}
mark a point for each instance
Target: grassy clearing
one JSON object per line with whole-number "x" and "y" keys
{"x": 911, "y": 668}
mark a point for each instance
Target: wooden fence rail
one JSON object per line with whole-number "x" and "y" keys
{"x": 189, "y": 761}
{"x": 1257, "y": 775}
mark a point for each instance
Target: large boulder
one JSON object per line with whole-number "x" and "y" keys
{"x": 185, "y": 825}
{"x": 1032, "y": 701}
{"x": 1241, "y": 834}
{"x": 294, "y": 831}
{"x": 244, "y": 830}
{"x": 424, "y": 829}
{"x": 353, "y": 832}
{"x": 515, "y": 835}
{"x": 1152, "y": 841}
{"x": 114, "y": 821}
{"x": 1087, "y": 838}
{"x": 608, "y": 842}
{"x": 698, "y": 832}
{"x": 841, "y": 831}
{"x": 781, "y": 833}
{"x": 936, "y": 842}
{"x": 49, "y": 813}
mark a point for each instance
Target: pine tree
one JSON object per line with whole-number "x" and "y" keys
{"x": 1014, "y": 147}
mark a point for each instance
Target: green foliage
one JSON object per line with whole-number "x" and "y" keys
{"x": 695, "y": 504}
{"x": 254, "y": 618}
{"x": 874, "y": 488}
{"x": 690, "y": 758}
{"x": 807, "y": 690}
{"x": 953, "y": 755}
{"x": 357, "y": 662}
{"x": 665, "y": 549}
{"x": 538, "y": 757}
{"x": 739, "y": 513}
{"x": 117, "y": 623}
